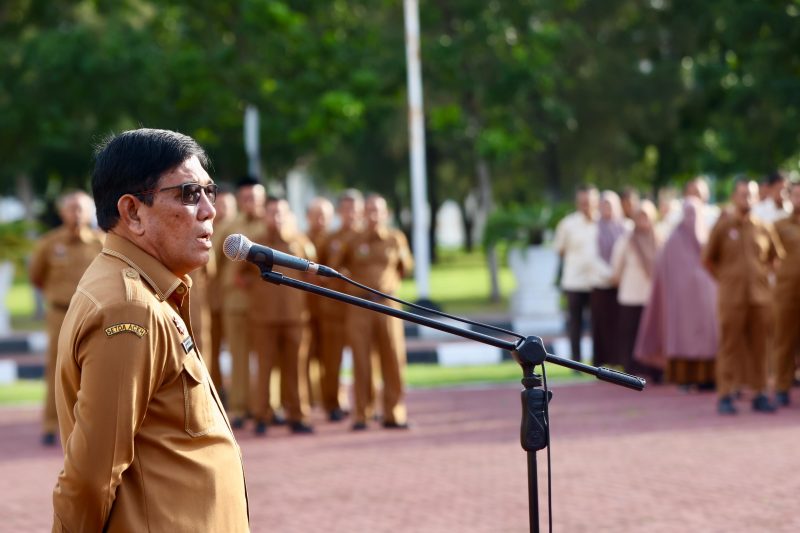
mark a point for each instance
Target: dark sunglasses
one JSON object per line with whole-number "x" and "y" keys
{"x": 190, "y": 192}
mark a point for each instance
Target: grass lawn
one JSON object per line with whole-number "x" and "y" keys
{"x": 432, "y": 376}
{"x": 422, "y": 376}
{"x": 460, "y": 284}
{"x": 22, "y": 306}
{"x": 24, "y": 391}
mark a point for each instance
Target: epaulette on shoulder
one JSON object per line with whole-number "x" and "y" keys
{"x": 135, "y": 291}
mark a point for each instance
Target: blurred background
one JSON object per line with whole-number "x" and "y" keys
{"x": 523, "y": 99}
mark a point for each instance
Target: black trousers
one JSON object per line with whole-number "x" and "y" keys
{"x": 577, "y": 304}
{"x": 605, "y": 329}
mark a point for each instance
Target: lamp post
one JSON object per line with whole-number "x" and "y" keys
{"x": 416, "y": 138}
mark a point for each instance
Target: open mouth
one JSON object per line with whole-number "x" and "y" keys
{"x": 205, "y": 237}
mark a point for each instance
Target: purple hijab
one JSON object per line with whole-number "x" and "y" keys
{"x": 608, "y": 231}
{"x": 680, "y": 320}
{"x": 610, "y": 227}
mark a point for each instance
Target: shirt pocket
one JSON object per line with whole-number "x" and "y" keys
{"x": 196, "y": 404}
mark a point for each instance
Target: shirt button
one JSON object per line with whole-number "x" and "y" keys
{"x": 181, "y": 289}
{"x": 131, "y": 274}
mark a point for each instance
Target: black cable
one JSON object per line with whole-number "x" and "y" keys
{"x": 429, "y": 310}
{"x": 549, "y": 467}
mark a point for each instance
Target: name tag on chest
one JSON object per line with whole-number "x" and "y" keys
{"x": 187, "y": 344}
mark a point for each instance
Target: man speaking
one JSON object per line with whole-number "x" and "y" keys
{"x": 147, "y": 445}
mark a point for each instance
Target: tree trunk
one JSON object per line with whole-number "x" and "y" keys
{"x": 552, "y": 169}
{"x": 485, "y": 206}
{"x": 469, "y": 223}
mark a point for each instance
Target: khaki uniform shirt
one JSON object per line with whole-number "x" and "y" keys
{"x": 740, "y": 252}
{"x": 236, "y": 298}
{"x": 147, "y": 445}
{"x": 214, "y": 281}
{"x": 378, "y": 259}
{"x": 331, "y": 253}
{"x": 60, "y": 259}
{"x": 278, "y": 304}
{"x": 788, "y": 276}
{"x": 317, "y": 239}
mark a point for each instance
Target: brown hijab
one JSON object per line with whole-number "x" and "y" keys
{"x": 644, "y": 241}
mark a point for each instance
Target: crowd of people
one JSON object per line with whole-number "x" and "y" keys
{"x": 689, "y": 292}
{"x": 302, "y": 336}
{"x": 292, "y": 340}
{"x": 686, "y": 291}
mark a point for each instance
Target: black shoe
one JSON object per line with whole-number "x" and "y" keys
{"x": 761, "y": 404}
{"x": 49, "y": 439}
{"x": 278, "y": 420}
{"x": 725, "y": 406}
{"x": 237, "y": 422}
{"x": 261, "y": 428}
{"x": 337, "y": 415}
{"x": 782, "y": 399}
{"x": 396, "y": 425}
{"x": 707, "y": 386}
{"x": 359, "y": 426}
{"x": 300, "y": 428}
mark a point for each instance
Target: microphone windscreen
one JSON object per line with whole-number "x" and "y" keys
{"x": 236, "y": 247}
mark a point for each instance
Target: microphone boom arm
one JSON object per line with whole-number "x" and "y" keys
{"x": 528, "y": 352}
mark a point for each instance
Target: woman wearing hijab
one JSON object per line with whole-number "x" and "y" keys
{"x": 632, "y": 265}
{"x": 603, "y": 300}
{"x": 679, "y": 330}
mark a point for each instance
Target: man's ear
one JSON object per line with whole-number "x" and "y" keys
{"x": 130, "y": 210}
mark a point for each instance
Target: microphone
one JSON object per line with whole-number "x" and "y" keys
{"x": 237, "y": 247}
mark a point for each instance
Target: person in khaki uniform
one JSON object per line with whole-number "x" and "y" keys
{"x": 787, "y": 300}
{"x": 377, "y": 257}
{"x": 226, "y": 211}
{"x": 250, "y": 195}
{"x": 739, "y": 254}
{"x": 319, "y": 215}
{"x": 147, "y": 444}
{"x": 350, "y": 208}
{"x": 279, "y": 324}
{"x": 59, "y": 260}
{"x": 200, "y": 311}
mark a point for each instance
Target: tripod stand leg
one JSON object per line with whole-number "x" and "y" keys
{"x": 533, "y": 493}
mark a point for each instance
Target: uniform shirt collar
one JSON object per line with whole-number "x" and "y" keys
{"x": 84, "y": 235}
{"x": 163, "y": 282}
{"x": 381, "y": 232}
{"x": 744, "y": 219}
{"x": 283, "y": 235}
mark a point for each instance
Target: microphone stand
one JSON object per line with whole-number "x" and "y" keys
{"x": 528, "y": 353}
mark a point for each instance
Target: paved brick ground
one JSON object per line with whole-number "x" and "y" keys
{"x": 660, "y": 460}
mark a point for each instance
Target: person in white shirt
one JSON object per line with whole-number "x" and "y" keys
{"x": 698, "y": 188}
{"x": 576, "y": 243}
{"x": 774, "y": 205}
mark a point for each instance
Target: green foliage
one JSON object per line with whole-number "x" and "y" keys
{"x": 536, "y": 94}
{"x": 15, "y": 242}
{"x": 518, "y": 225}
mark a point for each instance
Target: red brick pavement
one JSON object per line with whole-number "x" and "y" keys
{"x": 660, "y": 460}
